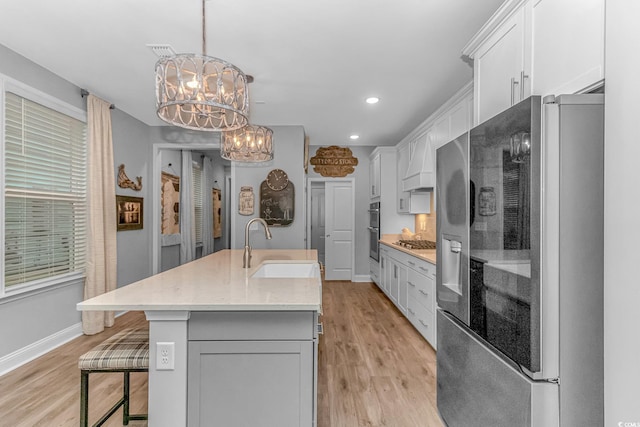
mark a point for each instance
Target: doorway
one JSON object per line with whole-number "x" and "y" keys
{"x": 330, "y": 225}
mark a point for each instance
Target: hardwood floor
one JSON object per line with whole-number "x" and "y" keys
{"x": 374, "y": 367}
{"x": 374, "y": 370}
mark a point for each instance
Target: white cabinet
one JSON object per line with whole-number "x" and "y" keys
{"x": 374, "y": 176}
{"x": 403, "y": 197}
{"x": 409, "y": 282}
{"x": 384, "y": 174}
{"x": 502, "y": 60}
{"x": 539, "y": 47}
{"x": 568, "y": 45}
{"x": 374, "y": 271}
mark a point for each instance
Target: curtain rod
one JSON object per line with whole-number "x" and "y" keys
{"x": 84, "y": 92}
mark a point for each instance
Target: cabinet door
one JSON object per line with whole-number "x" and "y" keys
{"x": 374, "y": 176}
{"x": 568, "y": 45}
{"x": 402, "y": 288}
{"x": 499, "y": 68}
{"x": 250, "y": 383}
{"x": 404, "y": 156}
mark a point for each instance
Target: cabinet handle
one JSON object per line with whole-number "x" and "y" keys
{"x": 395, "y": 271}
{"x": 426, "y": 294}
{"x": 423, "y": 324}
{"x": 373, "y": 187}
{"x": 522, "y": 77}
{"x": 411, "y": 311}
{"x": 411, "y": 284}
{"x": 514, "y": 82}
{"x": 412, "y": 264}
{"x": 401, "y": 204}
{"x": 424, "y": 269}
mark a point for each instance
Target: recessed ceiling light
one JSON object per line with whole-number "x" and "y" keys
{"x": 372, "y": 100}
{"x": 354, "y": 136}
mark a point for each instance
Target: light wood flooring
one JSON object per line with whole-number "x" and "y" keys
{"x": 374, "y": 370}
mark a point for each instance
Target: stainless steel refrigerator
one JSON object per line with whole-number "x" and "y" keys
{"x": 519, "y": 280}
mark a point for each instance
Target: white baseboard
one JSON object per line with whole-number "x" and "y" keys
{"x": 361, "y": 278}
{"x": 26, "y": 354}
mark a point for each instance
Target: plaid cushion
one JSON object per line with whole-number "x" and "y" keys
{"x": 128, "y": 349}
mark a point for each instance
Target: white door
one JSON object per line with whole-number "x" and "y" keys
{"x": 318, "y": 221}
{"x": 339, "y": 231}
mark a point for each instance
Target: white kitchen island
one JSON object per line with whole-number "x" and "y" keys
{"x": 244, "y": 347}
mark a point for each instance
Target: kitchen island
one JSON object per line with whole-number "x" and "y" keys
{"x": 242, "y": 343}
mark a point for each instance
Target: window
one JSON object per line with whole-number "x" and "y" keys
{"x": 197, "y": 200}
{"x": 45, "y": 207}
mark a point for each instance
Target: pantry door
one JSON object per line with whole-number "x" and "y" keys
{"x": 339, "y": 226}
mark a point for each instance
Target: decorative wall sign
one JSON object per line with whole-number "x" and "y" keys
{"x": 216, "y": 196}
{"x": 125, "y": 182}
{"x": 170, "y": 197}
{"x": 245, "y": 201}
{"x": 277, "y": 199}
{"x": 334, "y": 161}
{"x": 129, "y": 212}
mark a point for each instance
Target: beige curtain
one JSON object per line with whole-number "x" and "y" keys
{"x": 101, "y": 250}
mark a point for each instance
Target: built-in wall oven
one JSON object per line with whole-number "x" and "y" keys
{"x": 374, "y": 230}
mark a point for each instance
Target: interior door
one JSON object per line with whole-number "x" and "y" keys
{"x": 339, "y": 230}
{"x": 318, "y": 225}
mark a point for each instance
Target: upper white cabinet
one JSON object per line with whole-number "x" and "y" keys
{"x": 374, "y": 176}
{"x": 383, "y": 162}
{"x": 568, "y": 45}
{"x": 501, "y": 52}
{"x": 403, "y": 197}
{"x": 536, "y": 47}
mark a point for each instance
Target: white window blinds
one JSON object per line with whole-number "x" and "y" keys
{"x": 45, "y": 192}
{"x": 197, "y": 201}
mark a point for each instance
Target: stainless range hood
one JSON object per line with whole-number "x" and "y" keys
{"x": 421, "y": 174}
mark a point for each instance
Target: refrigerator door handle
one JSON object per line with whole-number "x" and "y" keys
{"x": 456, "y": 247}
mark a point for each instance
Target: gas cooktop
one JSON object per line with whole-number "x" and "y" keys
{"x": 416, "y": 244}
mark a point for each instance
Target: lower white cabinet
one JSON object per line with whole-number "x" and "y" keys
{"x": 374, "y": 271}
{"x": 409, "y": 282}
{"x": 252, "y": 368}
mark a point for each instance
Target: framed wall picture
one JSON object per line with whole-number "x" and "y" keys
{"x": 129, "y": 211}
{"x": 216, "y": 195}
{"x": 170, "y": 199}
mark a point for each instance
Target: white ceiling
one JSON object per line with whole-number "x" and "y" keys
{"x": 314, "y": 61}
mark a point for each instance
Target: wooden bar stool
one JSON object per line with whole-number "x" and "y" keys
{"x": 127, "y": 351}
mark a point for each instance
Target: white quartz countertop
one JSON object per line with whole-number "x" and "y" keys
{"x": 423, "y": 254}
{"x": 218, "y": 282}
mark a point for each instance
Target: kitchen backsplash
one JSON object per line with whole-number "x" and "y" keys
{"x": 425, "y": 224}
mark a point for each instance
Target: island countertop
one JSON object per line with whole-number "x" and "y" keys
{"x": 218, "y": 282}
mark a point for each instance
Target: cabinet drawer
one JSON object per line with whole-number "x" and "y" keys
{"x": 423, "y": 320}
{"x": 421, "y": 289}
{"x": 252, "y": 325}
{"x": 423, "y": 267}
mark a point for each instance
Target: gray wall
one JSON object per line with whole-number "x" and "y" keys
{"x": 288, "y": 155}
{"x": 361, "y": 176}
{"x": 622, "y": 209}
{"x": 131, "y": 147}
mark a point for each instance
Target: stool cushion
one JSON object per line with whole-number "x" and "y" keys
{"x": 128, "y": 349}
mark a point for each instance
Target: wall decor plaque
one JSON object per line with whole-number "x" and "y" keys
{"x": 245, "y": 201}
{"x": 277, "y": 199}
{"x": 129, "y": 211}
{"x": 334, "y": 161}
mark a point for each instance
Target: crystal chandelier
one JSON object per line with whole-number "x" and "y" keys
{"x": 201, "y": 92}
{"x": 250, "y": 144}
